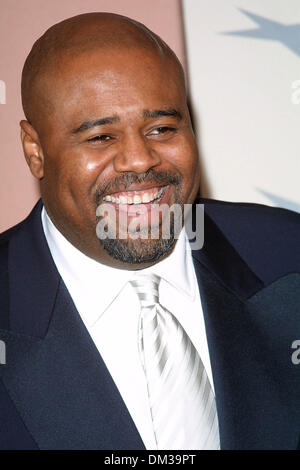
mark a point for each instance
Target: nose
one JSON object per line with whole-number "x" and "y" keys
{"x": 135, "y": 154}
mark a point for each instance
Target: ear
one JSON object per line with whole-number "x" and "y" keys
{"x": 32, "y": 149}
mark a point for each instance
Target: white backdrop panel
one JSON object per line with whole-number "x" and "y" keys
{"x": 243, "y": 61}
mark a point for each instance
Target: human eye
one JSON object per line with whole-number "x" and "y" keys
{"x": 163, "y": 131}
{"x": 102, "y": 138}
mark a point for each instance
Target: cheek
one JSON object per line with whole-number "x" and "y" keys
{"x": 184, "y": 158}
{"x": 73, "y": 170}
{"x": 91, "y": 166}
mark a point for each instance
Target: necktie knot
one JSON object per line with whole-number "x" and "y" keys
{"x": 146, "y": 286}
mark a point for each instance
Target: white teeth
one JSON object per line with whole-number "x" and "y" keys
{"x": 123, "y": 200}
{"x": 146, "y": 197}
{"x": 136, "y": 199}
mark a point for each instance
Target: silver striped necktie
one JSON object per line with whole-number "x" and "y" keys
{"x": 181, "y": 400}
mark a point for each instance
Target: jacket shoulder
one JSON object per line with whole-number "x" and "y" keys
{"x": 267, "y": 238}
{"x": 5, "y": 236}
{"x": 4, "y": 285}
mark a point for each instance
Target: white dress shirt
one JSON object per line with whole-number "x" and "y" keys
{"x": 110, "y": 310}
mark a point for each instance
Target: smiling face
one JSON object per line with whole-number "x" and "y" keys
{"x": 116, "y": 131}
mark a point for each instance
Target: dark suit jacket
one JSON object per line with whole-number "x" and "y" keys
{"x": 55, "y": 390}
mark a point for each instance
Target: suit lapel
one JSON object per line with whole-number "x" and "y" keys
{"x": 54, "y": 373}
{"x": 225, "y": 263}
{"x": 62, "y": 389}
{"x": 258, "y": 406}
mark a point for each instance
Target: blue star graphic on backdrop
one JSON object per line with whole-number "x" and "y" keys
{"x": 280, "y": 201}
{"x": 287, "y": 34}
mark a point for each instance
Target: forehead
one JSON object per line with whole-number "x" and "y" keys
{"x": 114, "y": 81}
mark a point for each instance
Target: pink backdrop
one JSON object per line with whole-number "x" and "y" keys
{"x": 21, "y": 23}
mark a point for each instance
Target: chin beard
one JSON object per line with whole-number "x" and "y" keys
{"x": 147, "y": 250}
{"x": 140, "y": 250}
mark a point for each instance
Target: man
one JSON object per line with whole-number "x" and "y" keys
{"x": 133, "y": 341}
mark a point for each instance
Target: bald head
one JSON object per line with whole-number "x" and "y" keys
{"x": 107, "y": 109}
{"x": 78, "y": 35}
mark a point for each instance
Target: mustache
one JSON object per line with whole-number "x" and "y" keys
{"x": 123, "y": 182}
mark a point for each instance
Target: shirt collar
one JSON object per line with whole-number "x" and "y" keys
{"x": 94, "y": 286}
{"x": 175, "y": 268}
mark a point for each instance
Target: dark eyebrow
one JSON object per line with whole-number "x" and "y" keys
{"x": 162, "y": 112}
{"x": 113, "y": 119}
{"x": 98, "y": 122}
